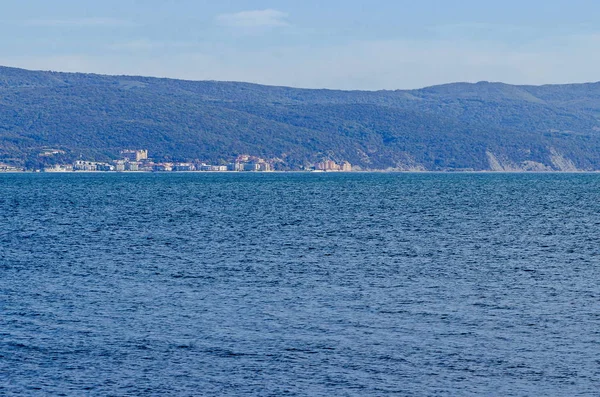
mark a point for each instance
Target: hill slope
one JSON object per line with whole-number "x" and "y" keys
{"x": 456, "y": 126}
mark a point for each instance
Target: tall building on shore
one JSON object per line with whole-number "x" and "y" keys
{"x": 329, "y": 165}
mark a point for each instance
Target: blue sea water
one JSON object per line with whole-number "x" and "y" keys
{"x": 300, "y": 284}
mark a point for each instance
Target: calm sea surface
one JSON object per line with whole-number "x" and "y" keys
{"x": 300, "y": 284}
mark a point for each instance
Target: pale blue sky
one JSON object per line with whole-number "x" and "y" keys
{"x": 352, "y": 44}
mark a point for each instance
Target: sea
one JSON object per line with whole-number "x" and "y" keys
{"x": 300, "y": 284}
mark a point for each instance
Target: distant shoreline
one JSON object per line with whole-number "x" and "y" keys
{"x": 294, "y": 172}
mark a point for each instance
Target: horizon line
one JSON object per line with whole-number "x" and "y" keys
{"x": 299, "y": 88}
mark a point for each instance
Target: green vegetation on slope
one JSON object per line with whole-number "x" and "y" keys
{"x": 449, "y": 127}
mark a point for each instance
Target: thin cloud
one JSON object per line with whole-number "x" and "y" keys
{"x": 478, "y": 27}
{"x": 79, "y": 22}
{"x": 254, "y": 19}
{"x": 148, "y": 45}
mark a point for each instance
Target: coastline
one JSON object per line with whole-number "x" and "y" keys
{"x": 301, "y": 172}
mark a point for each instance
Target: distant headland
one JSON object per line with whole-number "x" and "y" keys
{"x": 50, "y": 120}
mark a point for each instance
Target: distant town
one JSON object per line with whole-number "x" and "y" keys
{"x": 132, "y": 160}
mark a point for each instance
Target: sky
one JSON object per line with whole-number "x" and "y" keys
{"x": 350, "y": 44}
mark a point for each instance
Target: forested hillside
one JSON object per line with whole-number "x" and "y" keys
{"x": 451, "y": 127}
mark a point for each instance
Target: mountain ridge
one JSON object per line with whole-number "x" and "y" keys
{"x": 445, "y": 127}
{"x": 3, "y": 69}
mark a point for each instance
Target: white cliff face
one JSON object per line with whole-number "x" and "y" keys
{"x": 502, "y": 164}
{"x": 495, "y": 165}
{"x": 558, "y": 163}
{"x": 534, "y": 166}
{"x": 497, "y": 162}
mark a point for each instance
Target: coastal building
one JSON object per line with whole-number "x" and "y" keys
{"x": 9, "y": 168}
{"x": 236, "y": 166}
{"x": 184, "y": 167}
{"x": 214, "y": 168}
{"x": 242, "y": 163}
{"x": 59, "y": 168}
{"x": 104, "y": 167}
{"x": 134, "y": 155}
{"x": 132, "y": 166}
{"x": 146, "y": 166}
{"x": 249, "y": 163}
{"x": 120, "y": 165}
{"x": 251, "y": 167}
{"x": 126, "y": 165}
{"x": 161, "y": 167}
{"x": 81, "y": 165}
{"x": 265, "y": 167}
{"x": 329, "y": 165}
